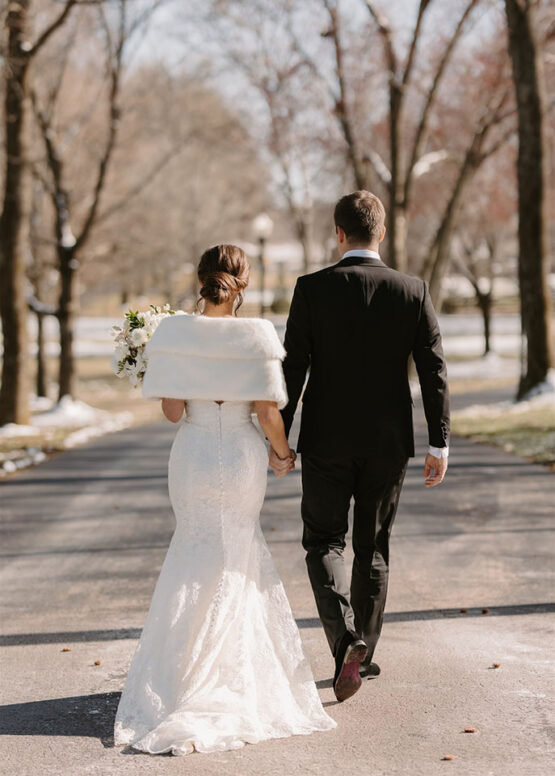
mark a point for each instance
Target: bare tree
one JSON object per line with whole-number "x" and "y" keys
{"x": 70, "y": 243}
{"x": 293, "y": 132}
{"x": 477, "y": 151}
{"x": 408, "y": 160}
{"x": 202, "y": 181}
{"x": 14, "y": 220}
{"x": 480, "y": 274}
{"x": 529, "y": 83}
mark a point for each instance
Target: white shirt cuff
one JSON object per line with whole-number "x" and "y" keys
{"x": 439, "y": 452}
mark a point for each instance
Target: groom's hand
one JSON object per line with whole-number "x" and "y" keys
{"x": 434, "y": 470}
{"x": 282, "y": 466}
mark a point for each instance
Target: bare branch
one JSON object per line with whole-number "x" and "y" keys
{"x": 438, "y": 254}
{"x": 52, "y": 157}
{"x": 141, "y": 185}
{"x": 420, "y": 136}
{"x": 115, "y": 58}
{"x": 384, "y": 29}
{"x": 62, "y": 62}
{"x": 60, "y": 19}
{"x": 378, "y": 165}
{"x": 415, "y": 35}
{"x": 341, "y": 103}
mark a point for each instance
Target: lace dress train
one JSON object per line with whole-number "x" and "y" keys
{"x": 220, "y": 661}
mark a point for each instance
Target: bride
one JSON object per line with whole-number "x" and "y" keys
{"x": 220, "y": 661}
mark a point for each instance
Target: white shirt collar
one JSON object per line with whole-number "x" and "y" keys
{"x": 363, "y": 252}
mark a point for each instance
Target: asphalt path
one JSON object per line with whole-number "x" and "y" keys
{"x": 85, "y": 535}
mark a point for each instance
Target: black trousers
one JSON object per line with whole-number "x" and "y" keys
{"x": 375, "y": 482}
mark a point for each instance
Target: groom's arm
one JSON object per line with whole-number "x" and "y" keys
{"x": 432, "y": 374}
{"x": 297, "y": 348}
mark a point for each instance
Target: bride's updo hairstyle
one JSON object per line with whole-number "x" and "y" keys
{"x": 223, "y": 271}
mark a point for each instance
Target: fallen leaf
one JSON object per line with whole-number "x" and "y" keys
{"x": 469, "y": 730}
{"x": 97, "y": 662}
{"x": 485, "y": 611}
{"x": 448, "y": 757}
{"x": 66, "y": 649}
{"x": 495, "y": 665}
{"x": 464, "y": 611}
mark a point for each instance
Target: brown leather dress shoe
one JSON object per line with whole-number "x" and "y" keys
{"x": 350, "y": 654}
{"x": 369, "y": 669}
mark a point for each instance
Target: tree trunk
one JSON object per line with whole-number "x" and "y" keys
{"x": 397, "y": 251}
{"x": 397, "y": 235}
{"x": 532, "y": 236}
{"x": 65, "y": 315}
{"x": 41, "y": 362}
{"x": 304, "y": 233}
{"x": 14, "y": 224}
{"x": 484, "y": 303}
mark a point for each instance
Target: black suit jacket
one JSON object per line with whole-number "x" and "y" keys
{"x": 353, "y": 326}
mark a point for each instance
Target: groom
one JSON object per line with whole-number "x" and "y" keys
{"x": 353, "y": 326}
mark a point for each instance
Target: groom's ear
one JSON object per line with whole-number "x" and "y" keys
{"x": 383, "y": 233}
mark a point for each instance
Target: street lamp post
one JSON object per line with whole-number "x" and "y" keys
{"x": 262, "y": 228}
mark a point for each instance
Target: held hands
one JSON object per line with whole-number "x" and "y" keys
{"x": 282, "y": 466}
{"x": 434, "y": 470}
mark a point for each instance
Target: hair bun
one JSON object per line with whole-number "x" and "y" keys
{"x": 220, "y": 287}
{"x": 224, "y": 273}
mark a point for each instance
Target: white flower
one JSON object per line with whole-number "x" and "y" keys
{"x": 129, "y": 343}
{"x": 114, "y": 365}
{"x": 138, "y": 337}
{"x": 121, "y": 350}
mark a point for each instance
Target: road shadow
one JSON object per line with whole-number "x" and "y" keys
{"x": 116, "y": 634}
{"x": 90, "y": 716}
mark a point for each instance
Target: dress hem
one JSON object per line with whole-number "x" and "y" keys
{"x": 237, "y": 743}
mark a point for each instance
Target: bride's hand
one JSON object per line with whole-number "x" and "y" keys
{"x": 282, "y": 466}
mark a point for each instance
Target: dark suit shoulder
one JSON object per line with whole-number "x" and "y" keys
{"x": 392, "y": 277}
{"x": 316, "y": 275}
{"x": 411, "y": 282}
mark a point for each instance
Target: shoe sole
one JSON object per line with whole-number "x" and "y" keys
{"x": 366, "y": 671}
{"x": 349, "y": 681}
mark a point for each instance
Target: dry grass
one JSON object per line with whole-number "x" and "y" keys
{"x": 529, "y": 432}
{"x": 476, "y": 384}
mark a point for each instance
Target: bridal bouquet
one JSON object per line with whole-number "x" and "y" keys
{"x": 130, "y": 339}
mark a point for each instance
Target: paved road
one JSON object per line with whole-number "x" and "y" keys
{"x": 85, "y": 537}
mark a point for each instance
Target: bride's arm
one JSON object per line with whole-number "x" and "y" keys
{"x": 271, "y": 424}
{"x": 173, "y": 409}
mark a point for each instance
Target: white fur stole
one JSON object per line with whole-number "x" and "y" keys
{"x": 228, "y": 359}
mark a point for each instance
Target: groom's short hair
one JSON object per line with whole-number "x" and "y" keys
{"x": 361, "y": 215}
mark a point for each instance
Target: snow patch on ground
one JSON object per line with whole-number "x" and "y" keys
{"x": 15, "y": 430}
{"x": 492, "y": 365}
{"x": 82, "y": 421}
{"x": 546, "y": 400}
{"x": 545, "y": 388}
{"x": 69, "y": 413}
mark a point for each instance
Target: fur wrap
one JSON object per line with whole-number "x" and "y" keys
{"x": 228, "y": 359}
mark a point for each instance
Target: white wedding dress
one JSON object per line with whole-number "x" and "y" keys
{"x": 220, "y": 661}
